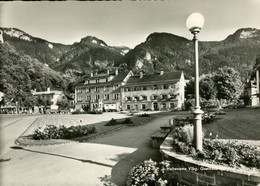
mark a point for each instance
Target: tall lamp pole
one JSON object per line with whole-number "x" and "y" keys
{"x": 194, "y": 23}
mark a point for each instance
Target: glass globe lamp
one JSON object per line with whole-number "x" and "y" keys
{"x": 195, "y": 22}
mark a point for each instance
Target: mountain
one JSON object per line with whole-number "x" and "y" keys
{"x": 89, "y": 54}
{"x": 159, "y": 51}
{"x": 171, "y": 52}
{"x": 45, "y": 51}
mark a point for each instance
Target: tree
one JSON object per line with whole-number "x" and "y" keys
{"x": 228, "y": 83}
{"x": 206, "y": 87}
{"x": 63, "y": 104}
{"x": 190, "y": 89}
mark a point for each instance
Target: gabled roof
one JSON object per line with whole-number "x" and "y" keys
{"x": 116, "y": 79}
{"x": 155, "y": 78}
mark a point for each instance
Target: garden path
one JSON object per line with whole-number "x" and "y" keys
{"x": 138, "y": 137}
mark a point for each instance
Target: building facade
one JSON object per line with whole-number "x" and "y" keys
{"x": 252, "y": 86}
{"x": 101, "y": 91}
{"x": 160, "y": 91}
{"x": 114, "y": 91}
{"x": 53, "y": 95}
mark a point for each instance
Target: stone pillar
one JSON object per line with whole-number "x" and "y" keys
{"x": 257, "y": 80}
{"x": 257, "y": 85}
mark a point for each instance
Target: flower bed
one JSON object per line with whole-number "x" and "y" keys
{"x": 149, "y": 173}
{"x": 115, "y": 122}
{"x": 62, "y": 132}
{"x": 230, "y": 153}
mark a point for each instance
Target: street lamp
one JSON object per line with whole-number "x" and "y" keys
{"x": 194, "y": 23}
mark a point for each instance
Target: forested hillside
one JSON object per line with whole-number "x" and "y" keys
{"x": 21, "y": 73}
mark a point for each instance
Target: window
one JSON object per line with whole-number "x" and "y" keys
{"x": 144, "y": 97}
{"x": 97, "y": 97}
{"x": 79, "y": 90}
{"x": 143, "y": 106}
{"x": 165, "y": 86}
{"x": 88, "y": 98}
{"x": 128, "y": 107}
{"x": 144, "y": 88}
{"x": 164, "y": 106}
{"x": 106, "y": 80}
{"x": 128, "y": 98}
{"x": 136, "y": 88}
{"x": 171, "y": 105}
{"x": 97, "y": 89}
{"x": 136, "y": 98}
{"x": 97, "y": 80}
{"x": 106, "y": 88}
{"x": 106, "y": 97}
{"x": 115, "y": 87}
{"x": 127, "y": 89}
{"x": 164, "y": 96}
{"x": 154, "y": 97}
{"x": 155, "y": 87}
{"x": 79, "y": 98}
{"x": 116, "y": 96}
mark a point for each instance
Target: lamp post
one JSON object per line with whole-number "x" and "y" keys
{"x": 194, "y": 23}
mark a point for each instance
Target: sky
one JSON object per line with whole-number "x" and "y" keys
{"x": 127, "y": 23}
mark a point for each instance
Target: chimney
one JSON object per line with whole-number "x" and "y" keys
{"x": 161, "y": 72}
{"x": 107, "y": 72}
{"x": 91, "y": 74}
{"x": 48, "y": 89}
{"x": 141, "y": 74}
{"x": 116, "y": 72}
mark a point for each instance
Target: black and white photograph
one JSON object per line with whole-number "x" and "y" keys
{"x": 130, "y": 93}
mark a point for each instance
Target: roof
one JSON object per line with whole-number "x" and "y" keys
{"x": 153, "y": 78}
{"x": 47, "y": 92}
{"x": 116, "y": 79}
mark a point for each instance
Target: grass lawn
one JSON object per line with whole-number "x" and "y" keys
{"x": 102, "y": 129}
{"x": 236, "y": 124}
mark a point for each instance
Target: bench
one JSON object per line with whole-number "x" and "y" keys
{"x": 158, "y": 137}
{"x": 166, "y": 128}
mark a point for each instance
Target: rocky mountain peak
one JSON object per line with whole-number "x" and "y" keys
{"x": 244, "y": 33}
{"x": 93, "y": 40}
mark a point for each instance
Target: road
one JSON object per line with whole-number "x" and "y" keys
{"x": 72, "y": 164}
{"x": 11, "y": 127}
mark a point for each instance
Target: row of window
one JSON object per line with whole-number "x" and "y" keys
{"x": 144, "y": 106}
{"x": 96, "y": 81}
{"x": 127, "y": 89}
{"x": 153, "y": 87}
{"x": 153, "y": 97}
{"x": 128, "y": 98}
{"x": 96, "y": 89}
{"x": 98, "y": 97}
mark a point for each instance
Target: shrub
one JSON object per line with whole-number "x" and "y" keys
{"x": 112, "y": 122}
{"x": 62, "y": 132}
{"x": 127, "y": 121}
{"x": 95, "y": 112}
{"x": 184, "y": 134}
{"x": 150, "y": 173}
{"x": 144, "y": 115}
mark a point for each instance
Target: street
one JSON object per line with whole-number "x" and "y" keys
{"x": 71, "y": 163}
